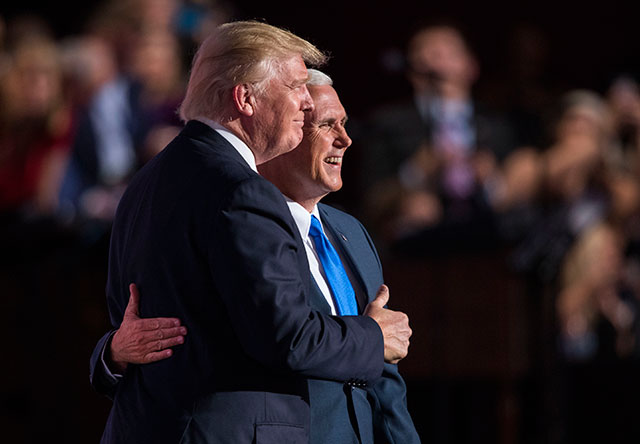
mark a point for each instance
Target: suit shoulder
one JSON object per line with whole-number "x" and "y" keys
{"x": 340, "y": 217}
{"x": 255, "y": 187}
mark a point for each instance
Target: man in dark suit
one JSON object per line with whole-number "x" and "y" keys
{"x": 215, "y": 245}
{"x": 431, "y": 158}
{"x": 339, "y": 413}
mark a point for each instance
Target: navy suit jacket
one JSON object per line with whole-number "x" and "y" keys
{"x": 211, "y": 242}
{"x": 340, "y": 413}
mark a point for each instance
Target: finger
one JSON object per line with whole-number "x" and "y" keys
{"x": 165, "y": 333}
{"x": 155, "y": 348}
{"x": 167, "y": 343}
{"x": 162, "y": 345}
{"x": 157, "y": 323}
{"x": 149, "y": 338}
{"x": 157, "y": 356}
{"x": 382, "y": 297}
{"x": 134, "y": 301}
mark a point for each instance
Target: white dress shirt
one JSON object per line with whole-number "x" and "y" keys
{"x": 303, "y": 221}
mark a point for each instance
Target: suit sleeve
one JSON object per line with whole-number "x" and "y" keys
{"x": 256, "y": 266}
{"x": 102, "y": 380}
{"x": 391, "y": 418}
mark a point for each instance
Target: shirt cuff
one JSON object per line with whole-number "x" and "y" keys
{"x": 112, "y": 377}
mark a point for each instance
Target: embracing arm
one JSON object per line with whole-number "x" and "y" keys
{"x": 256, "y": 265}
{"x": 101, "y": 378}
{"x": 137, "y": 341}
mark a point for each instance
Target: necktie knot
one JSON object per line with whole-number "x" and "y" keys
{"x": 315, "y": 229}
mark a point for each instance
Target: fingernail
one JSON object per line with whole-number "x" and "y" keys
{"x": 183, "y": 331}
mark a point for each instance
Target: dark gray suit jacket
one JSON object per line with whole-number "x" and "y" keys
{"x": 211, "y": 242}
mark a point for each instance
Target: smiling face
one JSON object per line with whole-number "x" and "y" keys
{"x": 313, "y": 169}
{"x": 280, "y": 111}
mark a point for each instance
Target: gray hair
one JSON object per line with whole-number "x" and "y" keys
{"x": 236, "y": 53}
{"x": 318, "y": 78}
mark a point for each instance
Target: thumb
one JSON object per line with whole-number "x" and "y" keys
{"x": 134, "y": 302}
{"x": 382, "y": 297}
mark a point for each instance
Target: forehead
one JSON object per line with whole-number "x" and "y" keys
{"x": 439, "y": 38}
{"x": 327, "y": 103}
{"x": 293, "y": 69}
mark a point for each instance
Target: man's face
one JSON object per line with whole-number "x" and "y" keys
{"x": 440, "y": 55}
{"x": 279, "y": 111}
{"x": 313, "y": 169}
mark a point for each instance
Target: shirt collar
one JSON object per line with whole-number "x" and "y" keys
{"x": 302, "y": 217}
{"x": 234, "y": 140}
{"x": 450, "y": 109}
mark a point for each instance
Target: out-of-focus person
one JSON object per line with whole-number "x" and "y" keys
{"x": 598, "y": 309}
{"x": 109, "y": 131}
{"x": 431, "y": 157}
{"x": 570, "y": 191}
{"x": 157, "y": 67}
{"x": 623, "y": 99}
{"x": 590, "y": 295}
{"x": 128, "y": 81}
{"x": 35, "y": 127}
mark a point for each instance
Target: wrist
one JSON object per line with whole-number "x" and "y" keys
{"x": 113, "y": 360}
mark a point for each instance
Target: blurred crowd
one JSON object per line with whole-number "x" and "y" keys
{"x": 80, "y": 114}
{"x": 552, "y": 178}
{"x": 557, "y": 181}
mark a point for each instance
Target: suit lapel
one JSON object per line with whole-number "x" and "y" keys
{"x": 317, "y": 300}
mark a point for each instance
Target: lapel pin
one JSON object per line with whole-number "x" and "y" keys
{"x": 343, "y": 237}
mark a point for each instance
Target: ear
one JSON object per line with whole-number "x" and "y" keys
{"x": 243, "y": 99}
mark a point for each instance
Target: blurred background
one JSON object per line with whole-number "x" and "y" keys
{"x": 496, "y": 162}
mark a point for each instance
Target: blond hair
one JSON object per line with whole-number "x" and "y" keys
{"x": 239, "y": 52}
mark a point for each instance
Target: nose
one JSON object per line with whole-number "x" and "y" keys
{"x": 306, "y": 103}
{"x": 343, "y": 140}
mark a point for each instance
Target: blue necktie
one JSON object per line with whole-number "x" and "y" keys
{"x": 334, "y": 271}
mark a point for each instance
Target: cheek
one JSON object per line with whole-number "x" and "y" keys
{"x": 313, "y": 158}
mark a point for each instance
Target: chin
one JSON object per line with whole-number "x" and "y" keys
{"x": 333, "y": 187}
{"x": 293, "y": 144}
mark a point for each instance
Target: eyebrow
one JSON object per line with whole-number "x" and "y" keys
{"x": 299, "y": 82}
{"x": 333, "y": 120}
